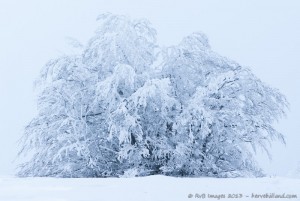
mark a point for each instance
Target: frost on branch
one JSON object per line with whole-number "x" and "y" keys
{"x": 110, "y": 111}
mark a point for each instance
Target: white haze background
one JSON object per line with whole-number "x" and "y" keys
{"x": 262, "y": 35}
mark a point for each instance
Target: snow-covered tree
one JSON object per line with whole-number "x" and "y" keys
{"x": 112, "y": 110}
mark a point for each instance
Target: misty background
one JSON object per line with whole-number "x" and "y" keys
{"x": 261, "y": 35}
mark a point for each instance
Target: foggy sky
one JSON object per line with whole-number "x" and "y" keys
{"x": 262, "y": 35}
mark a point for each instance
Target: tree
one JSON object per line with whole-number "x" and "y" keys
{"x": 113, "y": 110}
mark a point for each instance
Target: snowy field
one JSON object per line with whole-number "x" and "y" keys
{"x": 154, "y": 188}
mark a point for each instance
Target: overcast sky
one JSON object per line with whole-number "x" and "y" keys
{"x": 262, "y": 35}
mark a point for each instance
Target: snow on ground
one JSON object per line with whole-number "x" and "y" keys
{"x": 154, "y": 188}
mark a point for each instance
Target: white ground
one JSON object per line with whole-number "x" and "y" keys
{"x": 154, "y": 188}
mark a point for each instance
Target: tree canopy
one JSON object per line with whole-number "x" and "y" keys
{"x": 126, "y": 106}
